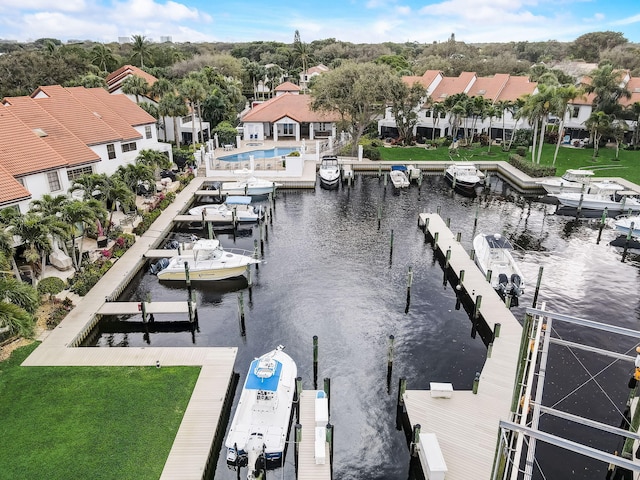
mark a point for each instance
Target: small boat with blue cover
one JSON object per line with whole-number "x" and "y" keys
{"x": 258, "y": 434}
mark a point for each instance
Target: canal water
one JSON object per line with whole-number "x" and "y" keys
{"x": 329, "y": 271}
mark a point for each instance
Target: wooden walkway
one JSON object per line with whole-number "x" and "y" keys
{"x": 132, "y": 308}
{"x": 466, "y": 424}
{"x": 192, "y": 446}
{"x": 307, "y": 467}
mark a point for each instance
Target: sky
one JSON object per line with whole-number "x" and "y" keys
{"x": 356, "y": 21}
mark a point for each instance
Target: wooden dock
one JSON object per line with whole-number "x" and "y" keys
{"x": 132, "y": 308}
{"x": 156, "y": 253}
{"x": 466, "y": 425}
{"x": 308, "y": 469}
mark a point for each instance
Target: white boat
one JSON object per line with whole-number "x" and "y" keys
{"x": 571, "y": 181}
{"x": 250, "y": 186}
{"x": 260, "y": 426}
{"x": 493, "y": 252}
{"x": 599, "y": 196}
{"x": 464, "y": 177}
{"x": 626, "y": 224}
{"x": 399, "y": 176}
{"x": 622, "y": 243}
{"x": 207, "y": 260}
{"x": 235, "y": 206}
{"x": 329, "y": 171}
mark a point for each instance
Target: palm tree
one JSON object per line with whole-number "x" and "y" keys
{"x": 135, "y": 85}
{"x": 301, "y": 52}
{"x": 48, "y": 204}
{"x": 437, "y": 110}
{"x": 194, "y": 92}
{"x": 102, "y": 57}
{"x": 634, "y": 111}
{"x": 35, "y": 234}
{"x": 77, "y": 214}
{"x": 134, "y": 174}
{"x": 159, "y": 89}
{"x": 492, "y": 111}
{"x": 141, "y": 48}
{"x": 18, "y": 303}
{"x": 117, "y": 192}
{"x": 6, "y": 248}
{"x": 92, "y": 81}
{"x": 518, "y": 111}
{"x": 597, "y": 123}
{"x": 606, "y": 83}
{"x": 174, "y": 106}
{"x": 564, "y": 95}
{"x": 89, "y": 184}
{"x": 618, "y": 129}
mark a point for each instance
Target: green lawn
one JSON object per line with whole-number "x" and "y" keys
{"x": 89, "y": 422}
{"x": 628, "y": 166}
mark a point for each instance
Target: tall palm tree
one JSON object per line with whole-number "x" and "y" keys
{"x": 102, "y": 57}
{"x": 134, "y": 174}
{"x": 634, "y": 111}
{"x": 78, "y": 214}
{"x": 518, "y": 112}
{"x": 564, "y": 95}
{"x": 174, "y": 106}
{"x": 6, "y": 248}
{"x": 89, "y": 184}
{"x": 193, "y": 90}
{"x": 159, "y": 89}
{"x": 597, "y": 124}
{"x": 492, "y": 111}
{"x": 301, "y": 53}
{"x": 48, "y": 204}
{"x": 135, "y": 85}
{"x": 606, "y": 84}
{"x": 141, "y": 48}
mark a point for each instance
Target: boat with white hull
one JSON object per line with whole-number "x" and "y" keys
{"x": 234, "y": 207}
{"x": 464, "y": 177}
{"x": 329, "y": 171}
{"x": 259, "y": 430}
{"x": 206, "y": 260}
{"x": 599, "y": 196}
{"x": 493, "y": 252}
{"x": 626, "y": 224}
{"x": 250, "y": 186}
{"x": 572, "y": 180}
{"x": 399, "y": 177}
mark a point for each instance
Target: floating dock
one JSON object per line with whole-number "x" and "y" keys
{"x": 465, "y": 424}
{"x": 314, "y": 452}
{"x": 132, "y": 308}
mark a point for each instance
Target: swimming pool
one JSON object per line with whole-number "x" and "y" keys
{"x": 244, "y": 157}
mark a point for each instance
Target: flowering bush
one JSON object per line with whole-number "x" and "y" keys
{"x": 106, "y": 253}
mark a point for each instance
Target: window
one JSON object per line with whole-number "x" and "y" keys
{"x": 443, "y": 114}
{"x": 287, "y": 128}
{"x": 78, "y": 172}
{"x": 575, "y": 112}
{"x": 111, "y": 151}
{"x": 54, "y": 181}
{"x": 147, "y": 131}
{"x": 427, "y": 113}
{"x": 128, "y": 147}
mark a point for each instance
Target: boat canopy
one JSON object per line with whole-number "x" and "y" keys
{"x": 205, "y": 244}
{"x": 497, "y": 241}
{"x": 400, "y": 168}
{"x": 256, "y": 379}
{"x": 238, "y": 200}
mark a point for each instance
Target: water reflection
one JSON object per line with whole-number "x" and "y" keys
{"x": 329, "y": 271}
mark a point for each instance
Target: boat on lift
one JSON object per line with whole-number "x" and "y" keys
{"x": 329, "y": 171}
{"x": 601, "y": 195}
{"x": 399, "y": 176}
{"x": 260, "y": 427}
{"x": 234, "y": 206}
{"x": 493, "y": 252}
{"x": 464, "y": 177}
{"x": 249, "y": 185}
{"x": 573, "y": 180}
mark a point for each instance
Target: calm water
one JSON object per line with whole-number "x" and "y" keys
{"x": 328, "y": 272}
{"x": 244, "y": 157}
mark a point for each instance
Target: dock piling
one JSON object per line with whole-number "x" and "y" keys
{"x": 476, "y": 382}
{"x": 327, "y": 391}
{"x": 603, "y": 221}
{"x": 476, "y": 310}
{"x": 379, "y": 215}
{"x": 390, "y": 362}
{"x": 496, "y": 330}
{"x": 315, "y": 362}
{"x": 489, "y": 274}
{"x": 435, "y": 240}
{"x": 627, "y": 240}
{"x": 460, "y": 280}
{"x": 298, "y": 429}
{"x": 537, "y": 291}
{"x": 415, "y": 438}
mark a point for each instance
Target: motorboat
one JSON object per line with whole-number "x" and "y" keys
{"x": 413, "y": 173}
{"x": 259, "y": 430}
{"x": 623, "y": 243}
{"x": 629, "y": 224}
{"x": 235, "y": 207}
{"x": 329, "y": 171}
{"x": 206, "y": 260}
{"x": 600, "y": 195}
{"x": 250, "y": 186}
{"x": 399, "y": 176}
{"x": 573, "y": 180}
{"x": 464, "y": 177}
{"x": 493, "y": 253}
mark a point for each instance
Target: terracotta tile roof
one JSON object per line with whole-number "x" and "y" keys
{"x": 66, "y": 144}
{"x": 515, "y": 88}
{"x": 425, "y": 80}
{"x": 84, "y": 121}
{"x": 294, "y": 106}
{"x": 125, "y": 107}
{"x": 23, "y": 151}
{"x": 317, "y": 69}
{"x": 11, "y": 191}
{"x": 102, "y": 104}
{"x": 288, "y": 87}
{"x": 114, "y": 79}
{"x": 489, "y": 87}
{"x": 452, "y": 85}
{"x": 634, "y": 87}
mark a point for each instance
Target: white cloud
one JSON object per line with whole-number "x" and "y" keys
{"x": 46, "y": 5}
{"x": 59, "y": 25}
{"x": 137, "y": 10}
{"x": 628, "y": 20}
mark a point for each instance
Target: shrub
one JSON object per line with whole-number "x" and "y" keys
{"x": 521, "y": 151}
{"x": 295, "y": 153}
{"x": 51, "y": 286}
{"x": 84, "y": 280}
{"x": 531, "y": 169}
{"x": 62, "y": 308}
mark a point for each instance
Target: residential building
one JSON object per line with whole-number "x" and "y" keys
{"x": 57, "y": 134}
{"x": 287, "y": 116}
{"x": 306, "y": 76}
{"x": 165, "y": 129}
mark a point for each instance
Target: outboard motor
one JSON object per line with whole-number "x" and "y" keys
{"x": 503, "y": 285}
{"x": 172, "y": 245}
{"x": 516, "y": 291}
{"x": 159, "y": 265}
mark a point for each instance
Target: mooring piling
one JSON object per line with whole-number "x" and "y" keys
{"x": 327, "y": 391}
{"x": 603, "y": 221}
{"x": 537, "y": 291}
{"x": 298, "y": 429}
{"x": 390, "y": 348}
{"x": 262, "y": 240}
{"x": 379, "y": 215}
{"x": 627, "y": 241}
{"x": 476, "y": 382}
{"x": 579, "y": 209}
{"x": 476, "y": 310}
{"x": 489, "y": 274}
{"x": 315, "y": 362}
{"x": 415, "y": 439}
{"x": 298, "y": 391}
